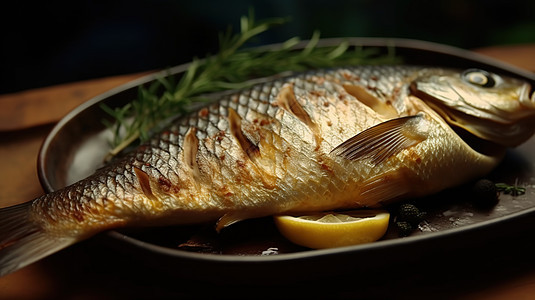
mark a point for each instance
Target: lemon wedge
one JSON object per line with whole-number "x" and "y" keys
{"x": 334, "y": 229}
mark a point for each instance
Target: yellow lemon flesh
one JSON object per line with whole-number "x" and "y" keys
{"x": 331, "y": 229}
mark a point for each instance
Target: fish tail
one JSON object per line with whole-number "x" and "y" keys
{"x": 22, "y": 241}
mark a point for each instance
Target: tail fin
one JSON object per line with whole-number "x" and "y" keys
{"x": 22, "y": 241}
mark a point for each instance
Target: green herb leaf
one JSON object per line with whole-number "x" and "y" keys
{"x": 514, "y": 190}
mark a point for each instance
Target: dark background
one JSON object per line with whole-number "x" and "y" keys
{"x": 45, "y": 43}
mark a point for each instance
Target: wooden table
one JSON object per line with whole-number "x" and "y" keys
{"x": 91, "y": 270}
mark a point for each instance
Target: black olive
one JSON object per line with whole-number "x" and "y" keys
{"x": 484, "y": 193}
{"x": 410, "y": 213}
{"x": 404, "y": 228}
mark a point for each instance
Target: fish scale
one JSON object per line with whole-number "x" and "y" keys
{"x": 321, "y": 140}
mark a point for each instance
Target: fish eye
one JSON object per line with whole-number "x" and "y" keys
{"x": 478, "y": 77}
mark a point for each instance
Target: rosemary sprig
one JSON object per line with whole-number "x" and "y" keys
{"x": 230, "y": 68}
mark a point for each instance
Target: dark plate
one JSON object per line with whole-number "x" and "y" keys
{"x": 77, "y": 144}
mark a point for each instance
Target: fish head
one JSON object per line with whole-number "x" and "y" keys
{"x": 495, "y": 108}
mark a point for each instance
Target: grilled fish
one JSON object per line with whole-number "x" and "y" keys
{"x": 327, "y": 139}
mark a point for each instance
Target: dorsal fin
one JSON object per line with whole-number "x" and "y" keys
{"x": 286, "y": 99}
{"x": 385, "y": 109}
{"x": 384, "y": 140}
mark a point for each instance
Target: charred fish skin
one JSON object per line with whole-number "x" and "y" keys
{"x": 320, "y": 140}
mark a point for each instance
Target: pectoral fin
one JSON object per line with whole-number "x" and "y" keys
{"x": 384, "y": 188}
{"x": 385, "y": 139}
{"x": 229, "y": 219}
